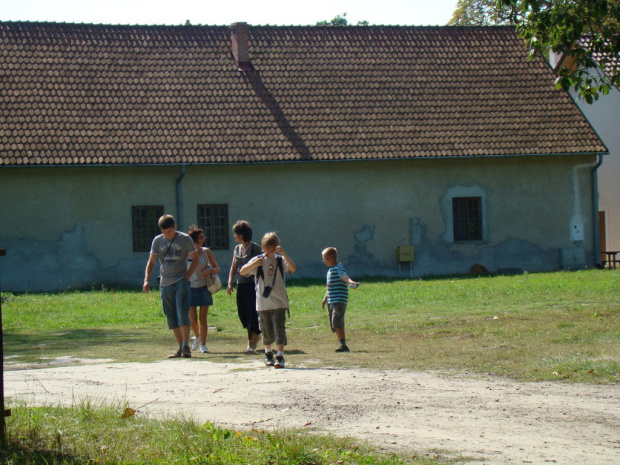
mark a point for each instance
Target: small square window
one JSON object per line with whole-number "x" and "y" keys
{"x": 144, "y": 226}
{"x": 214, "y": 220}
{"x": 467, "y": 218}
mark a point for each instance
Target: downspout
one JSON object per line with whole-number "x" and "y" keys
{"x": 595, "y": 228}
{"x": 180, "y": 198}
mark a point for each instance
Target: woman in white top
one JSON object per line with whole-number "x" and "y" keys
{"x": 199, "y": 295}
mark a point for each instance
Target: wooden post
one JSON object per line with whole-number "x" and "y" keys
{"x": 3, "y": 412}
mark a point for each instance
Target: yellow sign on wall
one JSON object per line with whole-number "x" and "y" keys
{"x": 404, "y": 253}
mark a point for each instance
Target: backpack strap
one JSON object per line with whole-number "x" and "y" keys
{"x": 260, "y": 274}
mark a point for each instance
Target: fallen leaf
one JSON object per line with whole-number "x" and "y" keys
{"x": 128, "y": 412}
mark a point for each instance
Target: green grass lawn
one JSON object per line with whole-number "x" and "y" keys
{"x": 548, "y": 326}
{"x": 538, "y": 326}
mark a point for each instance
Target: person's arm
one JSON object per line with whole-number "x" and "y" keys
{"x": 215, "y": 268}
{"x": 290, "y": 263}
{"x": 324, "y": 301}
{"x": 194, "y": 256}
{"x": 150, "y": 266}
{"x": 346, "y": 279}
{"x": 231, "y": 274}
{"x": 249, "y": 267}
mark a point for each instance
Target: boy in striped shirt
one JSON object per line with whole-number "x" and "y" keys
{"x": 337, "y": 295}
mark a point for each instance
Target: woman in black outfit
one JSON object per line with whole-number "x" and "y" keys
{"x": 246, "y": 293}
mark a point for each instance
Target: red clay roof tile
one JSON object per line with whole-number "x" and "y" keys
{"x": 94, "y": 94}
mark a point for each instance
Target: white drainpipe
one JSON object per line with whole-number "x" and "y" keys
{"x": 595, "y": 229}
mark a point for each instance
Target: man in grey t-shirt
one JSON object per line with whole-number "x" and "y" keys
{"x": 172, "y": 249}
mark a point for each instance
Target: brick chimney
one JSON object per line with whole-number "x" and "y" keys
{"x": 240, "y": 44}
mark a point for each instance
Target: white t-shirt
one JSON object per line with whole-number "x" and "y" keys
{"x": 278, "y": 299}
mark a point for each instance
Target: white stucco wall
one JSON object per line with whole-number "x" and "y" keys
{"x": 604, "y": 116}
{"x": 71, "y": 227}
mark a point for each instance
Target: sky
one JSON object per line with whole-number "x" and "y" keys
{"x": 224, "y": 12}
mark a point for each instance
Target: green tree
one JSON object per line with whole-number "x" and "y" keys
{"x": 480, "y": 13}
{"x": 588, "y": 31}
{"x": 340, "y": 21}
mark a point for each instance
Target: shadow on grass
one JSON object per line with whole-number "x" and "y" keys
{"x": 308, "y": 282}
{"x": 259, "y": 352}
{"x": 29, "y": 346}
{"x": 92, "y": 337}
{"x": 15, "y": 452}
{"x": 115, "y": 343}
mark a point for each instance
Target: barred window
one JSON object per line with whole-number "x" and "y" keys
{"x": 214, "y": 220}
{"x": 467, "y": 218}
{"x": 144, "y": 226}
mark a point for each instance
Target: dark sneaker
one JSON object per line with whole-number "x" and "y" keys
{"x": 269, "y": 359}
{"x": 176, "y": 354}
{"x": 186, "y": 352}
{"x": 279, "y": 362}
{"x": 343, "y": 348}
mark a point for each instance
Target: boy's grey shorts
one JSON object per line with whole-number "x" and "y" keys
{"x": 336, "y": 312}
{"x": 272, "y": 324}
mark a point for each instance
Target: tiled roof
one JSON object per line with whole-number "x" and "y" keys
{"x": 612, "y": 62}
{"x": 79, "y": 94}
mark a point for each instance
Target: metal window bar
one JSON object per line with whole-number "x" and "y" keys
{"x": 467, "y": 218}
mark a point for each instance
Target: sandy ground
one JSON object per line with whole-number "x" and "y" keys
{"x": 494, "y": 421}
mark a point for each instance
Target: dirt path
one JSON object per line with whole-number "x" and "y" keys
{"x": 492, "y": 420}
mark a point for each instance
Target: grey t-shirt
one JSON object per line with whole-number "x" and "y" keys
{"x": 173, "y": 266}
{"x": 243, "y": 256}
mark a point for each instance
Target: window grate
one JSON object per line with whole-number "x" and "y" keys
{"x": 144, "y": 226}
{"x": 214, "y": 220}
{"x": 467, "y": 218}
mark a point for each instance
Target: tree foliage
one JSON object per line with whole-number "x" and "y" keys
{"x": 340, "y": 21}
{"x": 480, "y": 13}
{"x": 586, "y": 31}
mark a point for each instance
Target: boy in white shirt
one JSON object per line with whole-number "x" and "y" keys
{"x": 271, "y": 297}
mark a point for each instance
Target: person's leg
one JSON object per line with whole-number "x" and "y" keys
{"x": 337, "y": 324}
{"x": 253, "y": 329}
{"x": 194, "y": 302}
{"x": 240, "y": 297}
{"x": 330, "y": 317}
{"x": 266, "y": 325}
{"x": 182, "y": 310}
{"x": 252, "y": 319}
{"x": 185, "y": 334}
{"x": 279, "y": 324}
{"x": 204, "y": 328}
{"x": 278, "y": 321}
{"x": 246, "y": 307}
{"x": 168, "y": 301}
{"x": 178, "y": 336}
{"x": 253, "y": 338}
{"x": 206, "y": 299}
{"x": 193, "y": 318}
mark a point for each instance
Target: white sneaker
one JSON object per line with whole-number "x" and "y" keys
{"x": 204, "y": 349}
{"x": 195, "y": 343}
